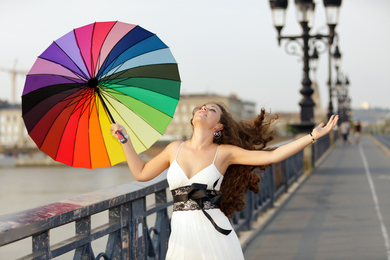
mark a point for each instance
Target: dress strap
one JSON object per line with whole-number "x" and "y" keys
{"x": 216, "y": 153}
{"x": 177, "y": 153}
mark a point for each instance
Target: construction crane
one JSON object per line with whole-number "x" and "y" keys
{"x": 14, "y": 72}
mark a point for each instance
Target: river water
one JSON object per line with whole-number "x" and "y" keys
{"x": 24, "y": 188}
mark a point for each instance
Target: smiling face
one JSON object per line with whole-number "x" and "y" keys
{"x": 209, "y": 114}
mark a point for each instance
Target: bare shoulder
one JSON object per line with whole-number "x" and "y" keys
{"x": 171, "y": 148}
{"x": 174, "y": 145}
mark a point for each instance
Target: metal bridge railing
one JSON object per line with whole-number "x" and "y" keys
{"x": 129, "y": 236}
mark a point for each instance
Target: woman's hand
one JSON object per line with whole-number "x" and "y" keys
{"x": 322, "y": 130}
{"x": 115, "y": 128}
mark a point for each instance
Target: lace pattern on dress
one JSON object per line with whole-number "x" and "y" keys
{"x": 190, "y": 204}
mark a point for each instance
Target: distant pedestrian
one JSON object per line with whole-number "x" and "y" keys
{"x": 344, "y": 129}
{"x": 358, "y": 131}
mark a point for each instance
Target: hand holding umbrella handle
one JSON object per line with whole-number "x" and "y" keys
{"x": 122, "y": 138}
{"x": 116, "y": 132}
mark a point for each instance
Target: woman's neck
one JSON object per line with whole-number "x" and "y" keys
{"x": 201, "y": 139}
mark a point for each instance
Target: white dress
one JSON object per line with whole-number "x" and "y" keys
{"x": 193, "y": 235}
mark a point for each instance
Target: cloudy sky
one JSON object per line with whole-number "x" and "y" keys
{"x": 222, "y": 47}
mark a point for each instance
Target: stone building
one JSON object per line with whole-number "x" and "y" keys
{"x": 180, "y": 127}
{"x": 13, "y": 133}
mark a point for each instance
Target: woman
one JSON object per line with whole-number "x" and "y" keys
{"x": 220, "y": 149}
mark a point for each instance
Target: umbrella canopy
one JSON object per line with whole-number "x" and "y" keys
{"x": 92, "y": 76}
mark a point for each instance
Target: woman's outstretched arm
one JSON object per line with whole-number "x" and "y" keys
{"x": 238, "y": 155}
{"x": 142, "y": 171}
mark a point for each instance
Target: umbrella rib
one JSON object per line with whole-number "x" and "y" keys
{"x": 82, "y": 57}
{"x": 100, "y": 50}
{"x": 126, "y": 70}
{"x": 87, "y": 92}
{"x": 100, "y": 127}
{"x": 115, "y": 69}
{"x": 124, "y": 119}
{"x": 85, "y": 76}
{"x": 90, "y": 52}
{"x": 142, "y": 88}
{"x": 103, "y": 80}
{"x": 72, "y": 103}
{"x": 93, "y": 102}
{"x": 73, "y": 111}
{"x": 55, "y": 119}
{"x": 86, "y": 108}
{"x": 64, "y": 99}
{"x": 62, "y": 76}
{"x": 109, "y": 67}
{"x": 122, "y": 94}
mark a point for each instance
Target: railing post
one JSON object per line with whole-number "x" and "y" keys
{"x": 118, "y": 241}
{"x": 138, "y": 230}
{"x": 247, "y": 212}
{"x": 162, "y": 227}
{"x": 41, "y": 244}
{"x": 272, "y": 185}
{"x": 284, "y": 174}
{"x": 308, "y": 159}
{"x": 125, "y": 234}
{"x": 332, "y": 138}
{"x": 83, "y": 228}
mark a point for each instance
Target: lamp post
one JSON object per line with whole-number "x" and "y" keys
{"x": 344, "y": 101}
{"x": 314, "y": 60}
{"x": 350, "y": 111}
{"x": 337, "y": 61}
{"x": 305, "y": 16}
{"x": 340, "y": 111}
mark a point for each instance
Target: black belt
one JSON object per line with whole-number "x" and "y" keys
{"x": 198, "y": 192}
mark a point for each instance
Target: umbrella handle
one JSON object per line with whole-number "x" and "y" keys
{"x": 122, "y": 138}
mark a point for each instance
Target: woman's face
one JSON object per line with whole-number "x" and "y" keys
{"x": 208, "y": 113}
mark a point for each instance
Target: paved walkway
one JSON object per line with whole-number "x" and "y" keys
{"x": 342, "y": 211}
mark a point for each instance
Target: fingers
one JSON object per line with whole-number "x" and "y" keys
{"x": 333, "y": 121}
{"x": 336, "y": 118}
{"x": 115, "y": 128}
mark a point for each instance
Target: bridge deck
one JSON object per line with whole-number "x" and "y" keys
{"x": 342, "y": 211}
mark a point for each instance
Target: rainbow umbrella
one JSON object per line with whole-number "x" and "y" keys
{"x": 94, "y": 75}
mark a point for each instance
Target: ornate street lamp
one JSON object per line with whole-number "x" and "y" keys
{"x": 314, "y": 59}
{"x": 332, "y": 11}
{"x": 340, "y": 96}
{"x": 347, "y": 99}
{"x": 346, "y": 83}
{"x": 305, "y": 11}
{"x": 344, "y": 101}
{"x": 305, "y": 15}
{"x": 278, "y": 8}
{"x": 337, "y": 58}
{"x": 337, "y": 63}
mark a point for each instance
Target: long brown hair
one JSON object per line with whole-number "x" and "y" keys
{"x": 250, "y": 135}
